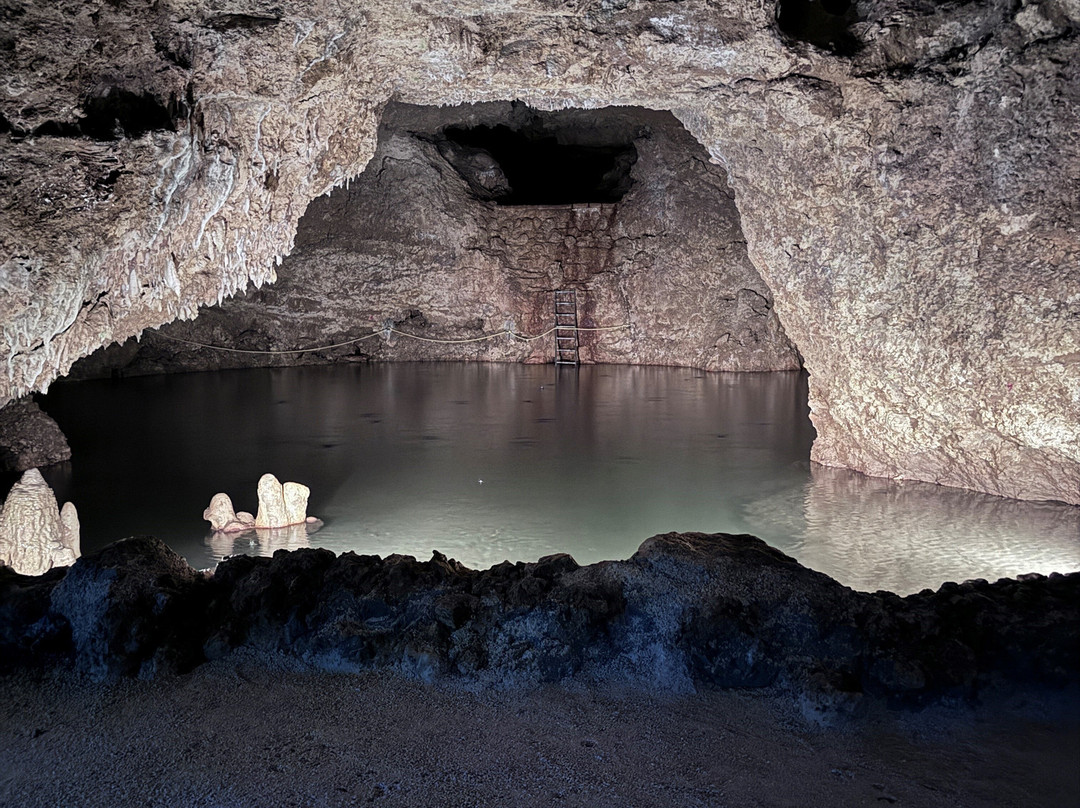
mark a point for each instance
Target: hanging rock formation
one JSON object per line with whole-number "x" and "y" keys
{"x": 905, "y": 172}
{"x": 663, "y": 267}
{"x": 36, "y": 535}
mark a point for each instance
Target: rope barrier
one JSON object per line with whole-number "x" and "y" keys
{"x": 496, "y": 335}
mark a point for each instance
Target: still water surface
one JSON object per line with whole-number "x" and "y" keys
{"x": 490, "y": 462}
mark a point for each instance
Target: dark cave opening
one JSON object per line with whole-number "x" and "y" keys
{"x": 826, "y": 24}
{"x": 534, "y": 165}
{"x": 117, "y": 113}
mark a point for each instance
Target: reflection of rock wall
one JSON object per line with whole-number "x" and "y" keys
{"x": 911, "y": 207}
{"x": 407, "y": 243}
{"x": 894, "y": 533}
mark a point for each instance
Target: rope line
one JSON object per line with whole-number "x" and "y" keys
{"x": 496, "y": 335}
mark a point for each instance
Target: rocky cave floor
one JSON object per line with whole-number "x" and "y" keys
{"x": 252, "y": 729}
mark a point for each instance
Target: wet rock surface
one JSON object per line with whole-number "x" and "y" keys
{"x": 687, "y": 610}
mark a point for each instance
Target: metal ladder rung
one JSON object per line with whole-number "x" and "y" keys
{"x": 566, "y": 332}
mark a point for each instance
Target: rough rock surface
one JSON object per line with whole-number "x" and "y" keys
{"x": 905, "y": 173}
{"x": 295, "y": 496}
{"x": 686, "y": 610}
{"x": 29, "y": 438}
{"x": 409, "y": 244}
{"x": 35, "y": 534}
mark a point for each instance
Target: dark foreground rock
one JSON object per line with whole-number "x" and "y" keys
{"x": 686, "y": 610}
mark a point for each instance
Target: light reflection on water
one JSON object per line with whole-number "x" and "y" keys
{"x": 489, "y": 462}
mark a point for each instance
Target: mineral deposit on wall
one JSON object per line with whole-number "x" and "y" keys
{"x": 905, "y": 173}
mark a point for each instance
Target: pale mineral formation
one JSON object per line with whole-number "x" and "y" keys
{"x": 905, "y": 173}
{"x": 35, "y": 535}
{"x": 295, "y": 497}
{"x": 222, "y": 518}
{"x": 281, "y": 505}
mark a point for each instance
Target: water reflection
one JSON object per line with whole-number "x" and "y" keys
{"x": 894, "y": 534}
{"x": 260, "y": 541}
{"x": 493, "y": 462}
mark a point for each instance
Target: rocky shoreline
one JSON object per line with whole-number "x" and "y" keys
{"x": 687, "y": 611}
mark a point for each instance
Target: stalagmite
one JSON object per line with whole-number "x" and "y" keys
{"x": 281, "y": 505}
{"x": 224, "y": 519}
{"x": 296, "y": 499}
{"x": 35, "y": 535}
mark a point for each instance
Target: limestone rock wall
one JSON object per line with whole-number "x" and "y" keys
{"x": 905, "y": 177}
{"x": 408, "y": 244}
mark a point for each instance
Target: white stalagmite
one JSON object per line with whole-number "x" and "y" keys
{"x": 296, "y": 499}
{"x": 35, "y": 535}
{"x": 281, "y": 505}
{"x": 224, "y": 519}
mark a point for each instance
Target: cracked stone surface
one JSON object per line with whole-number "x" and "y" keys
{"x": 906, "y": 182}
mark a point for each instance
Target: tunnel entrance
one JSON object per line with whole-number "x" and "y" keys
{"x": 826, "y": 24}
{"x": 540, "y": 163}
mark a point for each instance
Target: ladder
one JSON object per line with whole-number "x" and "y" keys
{"x": 566, "y": 333}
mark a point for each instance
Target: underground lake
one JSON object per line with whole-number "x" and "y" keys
{"x": 486, "y": 462}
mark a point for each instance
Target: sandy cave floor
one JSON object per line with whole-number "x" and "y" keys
{"x": 243, "y": 733}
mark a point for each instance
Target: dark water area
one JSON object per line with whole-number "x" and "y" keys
{"x": 487, "y": 462}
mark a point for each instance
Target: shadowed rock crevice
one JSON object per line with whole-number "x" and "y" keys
{"x": 825, "y": 24}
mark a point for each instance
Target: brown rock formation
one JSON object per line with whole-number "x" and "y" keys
{"x": 905, "y": 173}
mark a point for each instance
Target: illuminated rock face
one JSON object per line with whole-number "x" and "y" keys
{"x": 905, "y": 176}
{"x": 35, "y": 534}
{"x": 621, "y": 206}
